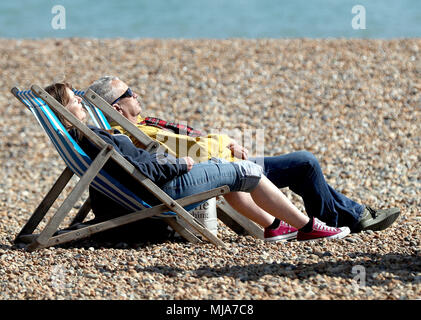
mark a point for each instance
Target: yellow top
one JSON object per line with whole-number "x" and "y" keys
{"x": 201, "y": 149}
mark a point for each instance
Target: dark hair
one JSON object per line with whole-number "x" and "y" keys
{"x": 58, "y": 92}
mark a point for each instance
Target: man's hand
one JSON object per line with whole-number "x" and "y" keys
{"x": 238, "y": 151}
{"x": 189, "y": 161}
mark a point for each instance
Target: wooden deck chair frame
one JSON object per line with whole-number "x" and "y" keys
{"x": 47, "y": 237}
{"x": 228, "y": 215}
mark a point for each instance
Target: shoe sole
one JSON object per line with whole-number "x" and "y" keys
{"x": 285, "y": 237}
{"x": 383, "y": 224}
{"x": 340, "y": 235}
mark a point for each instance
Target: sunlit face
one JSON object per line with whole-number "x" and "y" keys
{"x": 75, "y": 106}
{"x": 127, "y": 106}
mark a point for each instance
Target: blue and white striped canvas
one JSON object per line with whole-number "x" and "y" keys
{"x": 96, "y": 114}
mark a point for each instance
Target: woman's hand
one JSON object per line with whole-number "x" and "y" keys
{"x": 238, "y": 151}
{"x": 189, "y": 161}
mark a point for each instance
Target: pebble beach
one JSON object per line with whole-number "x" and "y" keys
{"x": 355, "y": 104}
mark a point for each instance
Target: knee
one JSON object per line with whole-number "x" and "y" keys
{"x": 249, "y": 175}
{"x": 307, "y": 158}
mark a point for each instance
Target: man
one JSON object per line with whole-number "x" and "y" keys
{"x": 300, "y": 171}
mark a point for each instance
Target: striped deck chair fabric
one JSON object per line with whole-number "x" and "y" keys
{"x": 95, "y": 114}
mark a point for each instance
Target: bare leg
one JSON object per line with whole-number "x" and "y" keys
{"x": 270, "y": 200}
{"x": 244, "y": 204}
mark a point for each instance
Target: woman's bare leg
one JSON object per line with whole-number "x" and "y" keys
{"x": 269, "y": 199}
{"x": 244, "y": 204}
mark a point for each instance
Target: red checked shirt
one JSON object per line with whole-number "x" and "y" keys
{"x": 175, "y": 127}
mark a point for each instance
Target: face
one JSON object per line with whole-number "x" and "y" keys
{"x": 75, "y": 106}
{"x": 127, "y": 106}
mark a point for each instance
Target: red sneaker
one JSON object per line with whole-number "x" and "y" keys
{"x": 283, "y": 232}
{"x": 321, "y": 230}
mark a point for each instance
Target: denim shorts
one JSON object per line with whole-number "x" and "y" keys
{"x": 238, "y": 176}
{"x": 248, "y": 172}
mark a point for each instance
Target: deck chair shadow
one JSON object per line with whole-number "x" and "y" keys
{"x": 97, "y": 107}
{"x": 92, "y": 173}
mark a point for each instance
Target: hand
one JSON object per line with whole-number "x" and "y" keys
{"x": 238, "y": 151}
{"x": 189, "y": 161}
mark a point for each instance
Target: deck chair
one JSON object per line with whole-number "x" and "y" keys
{"x": 98, "y": 106}
{"x": 91, "y": 172}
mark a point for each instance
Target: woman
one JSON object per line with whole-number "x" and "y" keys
{"x": 182, "y": 177}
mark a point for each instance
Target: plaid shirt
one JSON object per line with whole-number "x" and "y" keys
{"x": 175, "y": 127}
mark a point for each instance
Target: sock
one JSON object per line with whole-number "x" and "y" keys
{"x": 275, "y": 224}
{"x": 308, "y": 227}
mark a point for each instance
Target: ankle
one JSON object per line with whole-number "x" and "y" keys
{"x": 275, "y": 224}
{"x": 308, "y": 227}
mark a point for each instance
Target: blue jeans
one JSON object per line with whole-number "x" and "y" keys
{"x": 238, "y": 176}
{"x": 301, "y": 172}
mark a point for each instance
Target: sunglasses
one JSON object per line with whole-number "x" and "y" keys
{"x": 126, "y": 94}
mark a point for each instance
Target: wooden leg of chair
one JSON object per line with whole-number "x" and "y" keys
{"x": 70, "y": 201}
{"x": 82, "y": 213}
{"x": 46, "y": 203}
{"x": 186, "y": 234}
{"x": 206, "y": 234}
